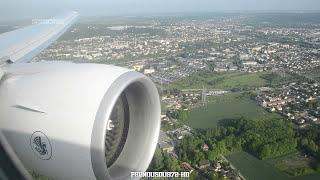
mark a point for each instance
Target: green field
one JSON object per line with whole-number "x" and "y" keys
{"x": 231, "y": 106}
{"x": 232, "y": 80}
{"x": 221, "y": 81}
{"x": 254, "y": 169}
{"x": 294, "y": 164}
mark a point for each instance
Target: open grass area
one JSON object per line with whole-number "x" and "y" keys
{"x": 252, "y": 168}
{"x": 230, "y": 106}
{"x": 232, "y": 80}
{"x": 220, "y": 81}
{"x": 294, "y": 164}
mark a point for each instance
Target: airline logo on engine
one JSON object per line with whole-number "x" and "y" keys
{"x": 40, "y": 145}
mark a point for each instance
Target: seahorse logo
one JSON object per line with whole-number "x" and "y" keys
{"x": 40, "y": 145}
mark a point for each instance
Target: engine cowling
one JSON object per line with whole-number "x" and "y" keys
{"x": 80, "y": 121}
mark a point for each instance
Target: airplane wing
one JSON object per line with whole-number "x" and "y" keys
{"x": 23, "y": 44}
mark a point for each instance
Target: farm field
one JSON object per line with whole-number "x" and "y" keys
{"x": 230, "y": 106}
{"x": 236, "y": 81}
{"x": 221, "y": 81}
{"x": 253, "y": 168}
{"x": 294, "y": 164}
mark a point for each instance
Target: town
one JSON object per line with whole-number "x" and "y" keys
{"x": 271, "y": 67}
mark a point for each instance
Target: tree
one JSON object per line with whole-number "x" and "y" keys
{"x": 182, "y": 115}
{"x": 312, "y": 146}
{"x": 157, "y": 161}
{"x": 171, "y": 163}
{"x": 264, "y": 138}
{"x": 266, "y": 151}
{"x": 304, "y": 142}
{"x": 213, "y": 155}
{"x": 198, "y": 156}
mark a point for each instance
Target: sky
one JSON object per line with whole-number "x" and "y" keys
{"x": 27, "y": 9}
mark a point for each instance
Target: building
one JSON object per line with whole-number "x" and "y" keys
{"x": 217, "y": 166}
{"x": 163, "y": 137}
{"x": 250, "y": 63}
{"x": 204, "y": 164}
{"x": 137, "y": 67}
{"x": 186, "y": 167}
{"x": 149, "y": 71}
{"x": 205, "y": 147}
{"x": 166, "y": 147}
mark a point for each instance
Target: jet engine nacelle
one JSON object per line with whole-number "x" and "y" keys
{"x": 79, "y": 121}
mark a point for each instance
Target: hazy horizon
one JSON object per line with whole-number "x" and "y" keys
{"x": 18, "y": 10}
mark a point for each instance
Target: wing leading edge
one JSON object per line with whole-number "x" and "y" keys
{"x": 23, "y": 44}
